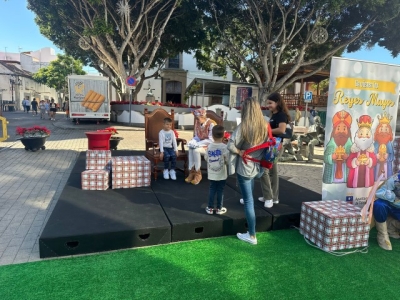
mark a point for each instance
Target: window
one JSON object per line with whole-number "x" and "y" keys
{"x": 173, "y": 63}
{"x": 220, "y": 72}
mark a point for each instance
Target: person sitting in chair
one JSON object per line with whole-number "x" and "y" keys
{"x": 197, "y": 146}
{"x": 387, "y": 211}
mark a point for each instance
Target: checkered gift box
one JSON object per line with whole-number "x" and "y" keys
{"x": 95, "y": 180}
{"x": 130, "y": 171}
{"x": 333, "y": 225}
{"x": 98, "y": 159}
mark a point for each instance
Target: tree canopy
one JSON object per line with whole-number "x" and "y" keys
{"x": 55, "y": 74}
{"x": 119, "y": 39}
{"x": 256, "y": 38}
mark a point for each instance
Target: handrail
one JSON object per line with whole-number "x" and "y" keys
{"x": 294, "y": 100}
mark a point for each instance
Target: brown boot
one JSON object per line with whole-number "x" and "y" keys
{"x": 383, "y": 237}
{"x": 192, "y": 173}
{"x": 393, "y": 228}
{"x": 197, "y": 177}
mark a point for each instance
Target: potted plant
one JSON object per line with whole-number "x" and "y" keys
{"x": 33, "y": 138}
{"x": 114, "y": 140}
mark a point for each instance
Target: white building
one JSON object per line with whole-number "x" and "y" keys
{"x": 16, "y": 71}
{"x": 181, "y": 73}
{"x": 31, "y": 61}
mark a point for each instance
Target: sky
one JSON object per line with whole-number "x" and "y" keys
{"x": 19, "y": 32}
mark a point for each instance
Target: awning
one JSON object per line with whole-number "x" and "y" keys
{"x": 212, "y": 87}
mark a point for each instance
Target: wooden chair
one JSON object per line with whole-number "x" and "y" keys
{"x": 153, "y": 123}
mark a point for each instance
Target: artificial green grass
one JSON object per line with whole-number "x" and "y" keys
{"x": 281, "y": 266}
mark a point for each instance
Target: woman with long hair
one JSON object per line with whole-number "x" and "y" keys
{"x": 279, "y": 120}
{"x": 251, "y": 132}
{"x": 197, "y": 146}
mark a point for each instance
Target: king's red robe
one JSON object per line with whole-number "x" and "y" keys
{"x": 362, "y": 175}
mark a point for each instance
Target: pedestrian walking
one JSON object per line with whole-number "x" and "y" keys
{"x": 27, "y": 105}
{"x": 23, "y": 104}
{"x": 42, "y": 107}
{"x": 66, "y": 108}
{"x": 53, "y": 109}
{"x": 34, "y": 105}
{"x": 47, "y": 107}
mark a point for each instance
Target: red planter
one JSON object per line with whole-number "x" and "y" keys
{"x": 98, "y": 140}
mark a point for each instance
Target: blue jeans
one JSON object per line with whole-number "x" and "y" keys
{"x": 216, "y": 187}
{"x": 383, "y": 208}
{"x": 246, "y": 186}
{"x": 169, "y": 155}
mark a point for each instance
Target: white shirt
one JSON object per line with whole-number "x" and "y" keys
{"x": 216, "y": 157}
{"x": 167, "y": 139}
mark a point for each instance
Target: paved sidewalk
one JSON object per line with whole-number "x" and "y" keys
{"x": 31, "y": 182}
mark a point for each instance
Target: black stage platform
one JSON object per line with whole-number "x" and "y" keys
{"x": 168, "y": 211}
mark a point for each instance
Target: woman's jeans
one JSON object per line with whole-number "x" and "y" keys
{"x": 246, "y": 186}
{"x": 216, "y": 187}
{"x": 382, "y": 209}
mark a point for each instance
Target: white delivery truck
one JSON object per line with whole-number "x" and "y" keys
{"x": 88, "y": 97}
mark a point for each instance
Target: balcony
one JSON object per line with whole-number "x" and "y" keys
{"x": 293, "y": 100}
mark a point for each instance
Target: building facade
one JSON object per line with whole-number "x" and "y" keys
{"x": 16, "y": 71}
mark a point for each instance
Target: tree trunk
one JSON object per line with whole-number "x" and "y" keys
{"x": 262, "y": 95}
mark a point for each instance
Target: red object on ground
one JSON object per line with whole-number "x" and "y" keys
{"x": 98, "y": 140}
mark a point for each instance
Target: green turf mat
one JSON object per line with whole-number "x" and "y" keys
{"x": 281, "y": 266}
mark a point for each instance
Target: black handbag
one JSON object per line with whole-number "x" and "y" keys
{"x": 288, "y": 133}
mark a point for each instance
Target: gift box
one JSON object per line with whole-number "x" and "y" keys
{"x": 98, "y": 180}
{"x": 98, "y": 160}
{"x": 333, "y": 225}
{"x": 130, "y": 172}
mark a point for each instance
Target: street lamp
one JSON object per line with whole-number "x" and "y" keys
{"x": 1, "y": 104}
{"x": 14, "y": 80}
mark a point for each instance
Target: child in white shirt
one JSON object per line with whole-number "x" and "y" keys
{"x": 216, "y": 157}
{"x": 168, "y": 149}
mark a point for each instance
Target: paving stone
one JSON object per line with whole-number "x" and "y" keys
{"x": 16, "y": 242}
{"x": 6, "y": 260}
{"x": 21, "y": 260}
{"x": 11, "y": 251}
{"x": 27, "y": 245}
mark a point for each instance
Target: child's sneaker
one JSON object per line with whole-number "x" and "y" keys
{"x": 246, "y": 238}
{"x": 209, "y": 210}
{"x": 166, "y": 174}
{"x": 221, "y": 211}
{"x": 172, "y": 174}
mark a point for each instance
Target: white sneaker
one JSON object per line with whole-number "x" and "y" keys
{"x": 268, "y": 203}
{"x": 241, "y": 201}
{"x": 246, "y": 238}
{"x": 172, "y": 174}
{"x": 166, "y": 174}
{"x": 276, "y": 201}
{"x": 261, "y": 199}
